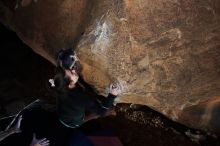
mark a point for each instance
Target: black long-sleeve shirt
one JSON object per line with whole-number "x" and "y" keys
{"x": 73, "y": 105}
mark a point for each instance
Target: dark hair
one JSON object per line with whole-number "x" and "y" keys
{"x": 63, "y": 56}
{"x": 65, "y": 61}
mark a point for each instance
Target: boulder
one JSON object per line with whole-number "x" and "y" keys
{"x": 44, "y": 25}
{"x": 166, "y": 53}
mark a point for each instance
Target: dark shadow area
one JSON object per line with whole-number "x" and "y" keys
{"x": 23, "y": 73}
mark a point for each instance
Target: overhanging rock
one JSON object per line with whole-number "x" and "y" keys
{"x": 165, "y": 53}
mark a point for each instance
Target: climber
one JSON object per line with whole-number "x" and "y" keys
{"x": 75, "y": 104}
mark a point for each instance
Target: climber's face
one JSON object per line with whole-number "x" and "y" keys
{"x": 73, "y": 76}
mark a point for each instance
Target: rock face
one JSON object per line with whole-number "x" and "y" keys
{"x": 46, "y": 26}
{"x": 166, "y": 53}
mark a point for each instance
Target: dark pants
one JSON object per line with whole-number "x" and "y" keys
{"x": 79, "y": 139}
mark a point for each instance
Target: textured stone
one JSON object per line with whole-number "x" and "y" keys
{"x": 47, "y": 26}
{"x": 165, "y": 53}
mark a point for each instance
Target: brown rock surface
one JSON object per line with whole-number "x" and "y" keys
{"x": 165, "y": 53}
{"x": 46, "y": 26}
